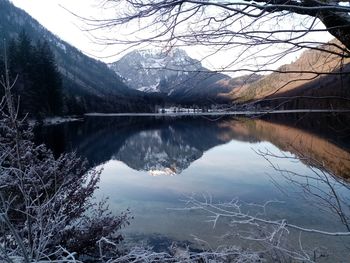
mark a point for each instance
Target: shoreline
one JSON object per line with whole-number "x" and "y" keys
{"x": 175, "y": 114}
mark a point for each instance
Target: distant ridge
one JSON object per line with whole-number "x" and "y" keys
{"x": 305, "y": 85}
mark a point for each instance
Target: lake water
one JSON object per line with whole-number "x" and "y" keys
{"x": 152, "y": 165}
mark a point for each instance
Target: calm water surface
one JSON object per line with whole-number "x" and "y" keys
{"x": 151, "y": 165}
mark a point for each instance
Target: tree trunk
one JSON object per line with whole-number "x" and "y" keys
{"x": 337, "y": 24}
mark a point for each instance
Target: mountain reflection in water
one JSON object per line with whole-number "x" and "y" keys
{"x": 167, "y": 146}
{"x": 218, "y": 157}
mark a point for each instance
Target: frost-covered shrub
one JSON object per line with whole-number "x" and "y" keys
{"x": 46, "y": 207}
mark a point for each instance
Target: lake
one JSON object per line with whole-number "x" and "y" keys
{"x": 153, "y": 165}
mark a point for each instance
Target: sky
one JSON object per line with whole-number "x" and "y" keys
{"x": 53, "y": 15}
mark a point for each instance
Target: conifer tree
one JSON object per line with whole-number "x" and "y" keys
{"x": 39, "y": 87}
{"x": 47, "y": 80}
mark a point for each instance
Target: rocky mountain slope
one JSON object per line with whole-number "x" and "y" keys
{"x": 145, "y": 69}
{"x": 173, "y": 74}
{"x": 89, "y": 81}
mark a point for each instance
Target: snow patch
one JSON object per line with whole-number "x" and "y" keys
{"x": 163, "y": 172}
{"x": 62, "y": 46}
{"x": 59, "y": 120}
{"x": 152, "y": 88}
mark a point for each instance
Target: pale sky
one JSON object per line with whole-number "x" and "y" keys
{"x": 52, "y": 15}
{"x": 56, "y": 19}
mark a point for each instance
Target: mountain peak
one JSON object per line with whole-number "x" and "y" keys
{"x": 145, "y": 69}
{"x": 159, "y": 52}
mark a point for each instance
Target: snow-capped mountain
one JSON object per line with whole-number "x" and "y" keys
{"x": 173, "y": 73}
{"x": 145, "y": 69}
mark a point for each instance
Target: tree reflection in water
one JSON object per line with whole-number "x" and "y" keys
{"x": 164, "y": 146}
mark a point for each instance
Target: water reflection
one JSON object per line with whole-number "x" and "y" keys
{"x": 210, "y": 156}
{"x": 164, "y": 146}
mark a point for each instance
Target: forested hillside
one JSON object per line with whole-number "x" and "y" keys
{"x": 87, "y": 84}
{"x": 33, "y": 69}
